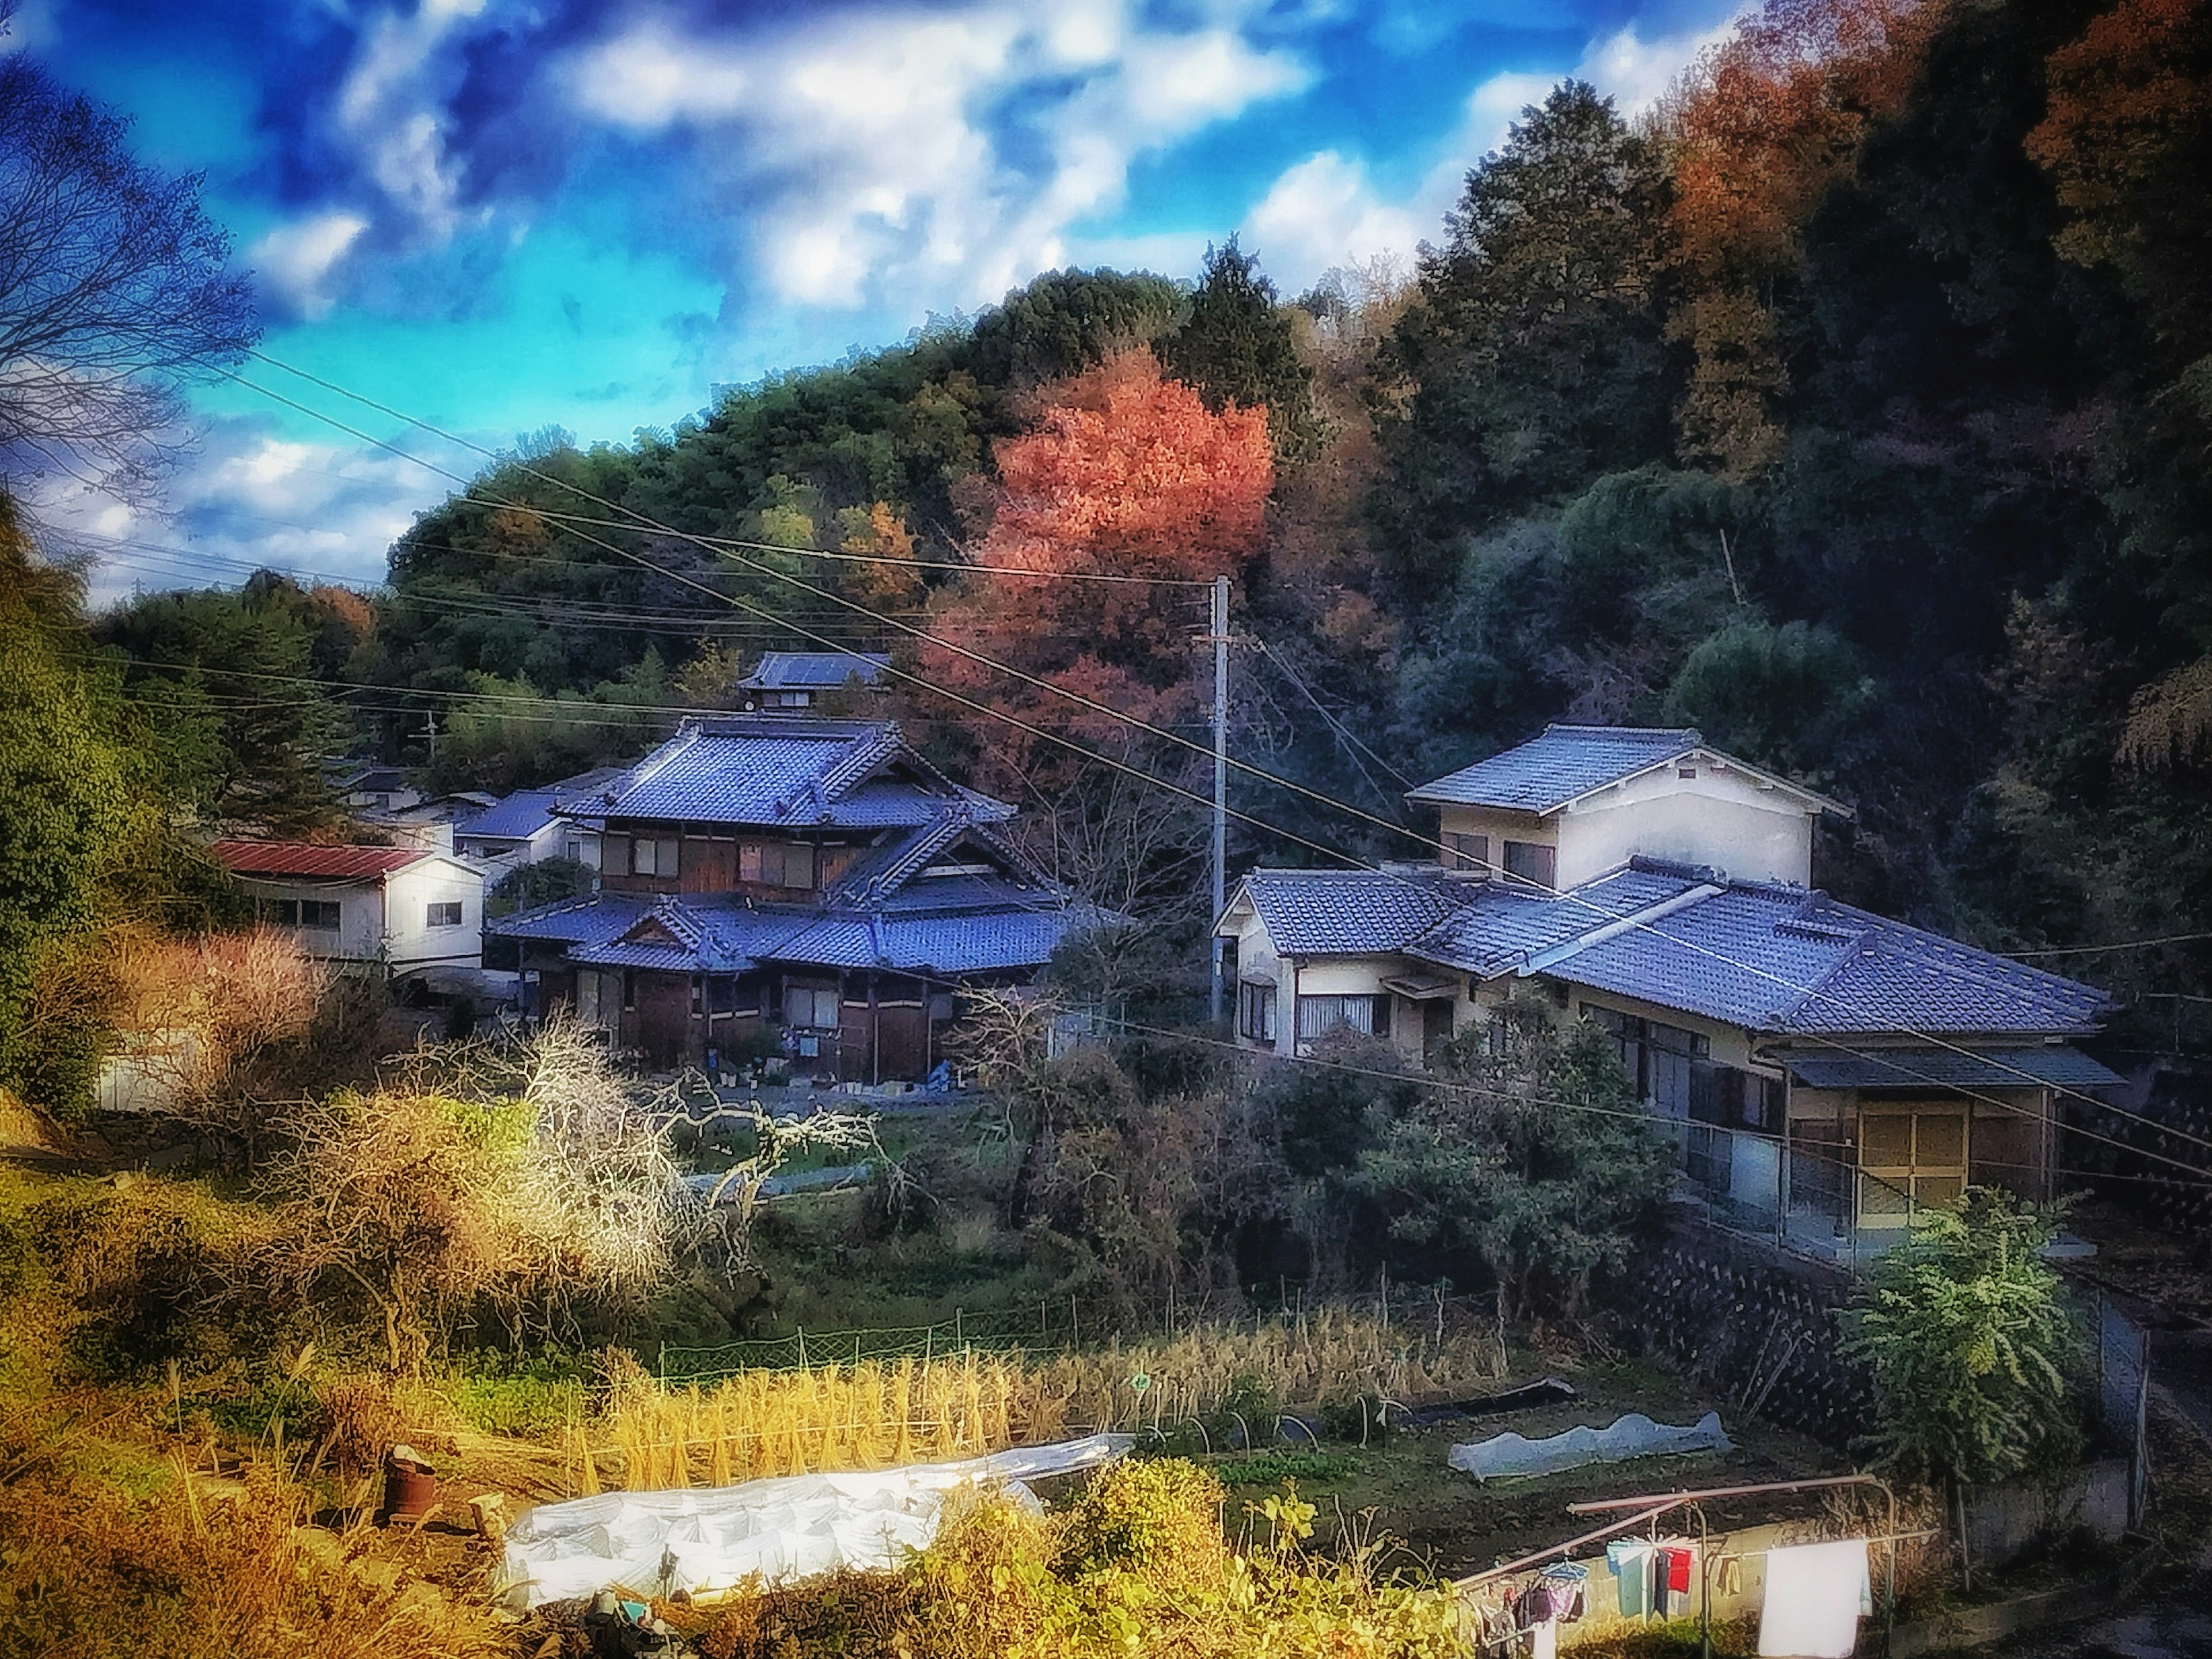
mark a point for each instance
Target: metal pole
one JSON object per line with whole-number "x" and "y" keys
{"x": 1220, "y": 619}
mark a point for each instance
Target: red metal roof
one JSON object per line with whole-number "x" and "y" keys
{"x": 293, "y": 857}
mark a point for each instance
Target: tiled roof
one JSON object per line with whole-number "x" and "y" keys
{"x": 883, "y": 869}
{"x": 784, "y": 772}
{"x": 287, "y": 858}
{"x": 1320, "y": 913}
{"x": 1566, "y": 762}
{"x": 1982, "y": 1067}
{"x": 1502, "y": 925}
{"x": 518, "y": 817}
{"x": 596, "y": 918}
{"x": 790, "y": 671}
{"x": 1781, "y": 959}
{"x": 987, "y": 924}
{"x": 1766, "y": 956}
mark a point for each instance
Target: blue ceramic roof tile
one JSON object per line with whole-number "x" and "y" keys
{"x": 1727, "y": 956}
{"x": 784, "y": 772}
{"x": 519, "y": 816}
{"x": 1781, "y": 959}
{"x": 597, "y": 918}
{"x": 988, "y": 924}
{"x": 1321, "y": 913}
{"x": 1764, "y": 957}
{"x": 1502, "y": 925}
{"x": 791, "y": 671}
{"x": 1899, "y": 976}
{"x": 1566, "y": 762}
{"x": 1983, "y": 1067}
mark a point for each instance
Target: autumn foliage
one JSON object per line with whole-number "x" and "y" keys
{"x": 1124, "y": 473}
{"x": 1762, "y": 128}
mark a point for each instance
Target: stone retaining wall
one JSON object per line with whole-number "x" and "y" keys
{"x": 1754, "y": 1324}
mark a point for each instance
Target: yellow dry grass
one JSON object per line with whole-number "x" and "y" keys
{"x": 773, "y": 1422}
{"x": 875, "y": 1415}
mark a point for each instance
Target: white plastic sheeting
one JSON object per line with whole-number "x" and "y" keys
{"x": 655, "y": 1543}
{"x": 1632, "y": 1436}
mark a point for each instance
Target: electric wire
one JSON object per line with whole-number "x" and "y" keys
{"x": 1093, "y": 705}
{"x": 1512, "y": 1097}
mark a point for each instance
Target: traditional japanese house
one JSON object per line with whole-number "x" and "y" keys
{"x": 1824, "y": 1072}
{"x": 814, "y": 882}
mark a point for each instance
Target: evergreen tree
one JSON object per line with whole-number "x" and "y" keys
{"x": 1531, "y": 353}
{"x": 1236, "y": 347}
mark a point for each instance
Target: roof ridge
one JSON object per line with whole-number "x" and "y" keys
{"x": 1690, "y": 734}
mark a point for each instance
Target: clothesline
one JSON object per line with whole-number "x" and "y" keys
{"x": 1887, "y": 1538}
{"x": 1558, "y": 1551}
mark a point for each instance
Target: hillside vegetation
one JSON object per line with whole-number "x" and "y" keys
{"x": 1851, "y": 407}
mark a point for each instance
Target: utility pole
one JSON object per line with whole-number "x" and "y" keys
{"x": 430, "y": 731}
{"x": 1220, "y": 783}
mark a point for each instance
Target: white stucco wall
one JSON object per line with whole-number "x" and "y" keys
{"x": 360, "y": 934}
{"x": 1498, "y": 826}
{"x": 1257, "y": 957}
{"x": 1720, "y": 817}
{"x": 409, "y": 939}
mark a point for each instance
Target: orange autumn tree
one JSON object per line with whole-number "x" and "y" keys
{"x": 2126, "y": 136}
{"x": 1760, "y": 128}
{"x": 1123, "y": 473}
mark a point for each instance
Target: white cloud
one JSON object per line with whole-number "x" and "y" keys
{"x": 297, "y": 259}
{"x": 1636, "y": 72}
{"x": 248, "y": 498}
{"x": 1325, "y": 210}
{"x": 897, "y": 158}
{"x": 649, "y": 79}
{"x": 391, "y": 104}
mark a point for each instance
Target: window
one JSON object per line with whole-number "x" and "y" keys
{"x": 649, "y": 857}
{"x": 698, "y": 996}
{"x": 1467, "y": 852}
{"x": 775, "y": 863}
{"x": 1532, "y": 862}
{"x": 1658, "y": 1058}
{"x": 447, "y": 912}
{"x": 1256, "y": 1012}
{"x": 809, "y": 1008}
{"x": 587, "y": 996}
{"x": 629, "y": 988}
{"x": 320, "y": 914}
{"x": 1370, "y": 1016}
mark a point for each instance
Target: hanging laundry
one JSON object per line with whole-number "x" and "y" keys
{"x": 1565, "y": 1580}
{"x": 1672, "y": 1567}
{"x": 1816, "y": 1593}
{"x": 1630, "y": 1561}
{"x": 1546, "y": 1642}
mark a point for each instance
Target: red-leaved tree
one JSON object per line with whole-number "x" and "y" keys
{"x": 1123, "y": 473}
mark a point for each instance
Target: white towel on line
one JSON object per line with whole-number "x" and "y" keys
{"x": 1815, "y": 1595}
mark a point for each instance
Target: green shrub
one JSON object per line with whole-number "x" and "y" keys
{"x": 1967, "y": 1332}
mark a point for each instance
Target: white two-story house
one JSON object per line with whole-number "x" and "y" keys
{"x": 396, "y": 910}
{"x": 1827, "y": 1071}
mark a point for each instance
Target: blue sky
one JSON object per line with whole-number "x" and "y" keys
{"x": 501, "y": 215}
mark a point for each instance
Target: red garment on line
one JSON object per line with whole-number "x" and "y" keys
{"x": 1678, "y": 1569}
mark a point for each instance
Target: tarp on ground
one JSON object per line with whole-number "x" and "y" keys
{"x": 1632, "y": 1436}
{"x": 656, "y": 1543}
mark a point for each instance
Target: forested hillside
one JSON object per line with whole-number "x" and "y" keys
{"x": 1853, "y": 408}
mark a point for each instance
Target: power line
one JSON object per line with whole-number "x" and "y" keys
{"x": 1510, "y": 1097}
{"x": 1814, "y": 992}
{"x": 728, "y": 541}
{"x": 2122, "y": 945}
